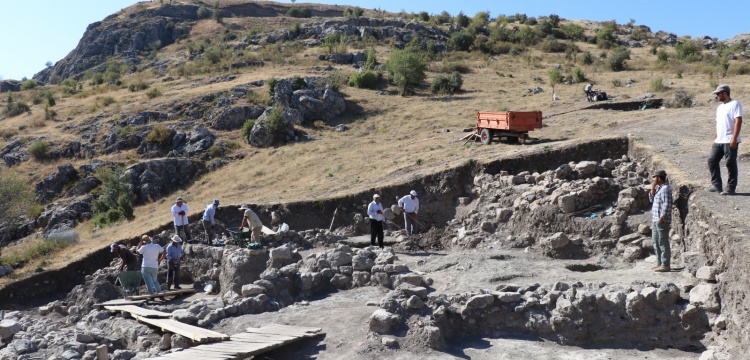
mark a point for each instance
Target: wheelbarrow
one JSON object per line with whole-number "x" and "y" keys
{"x": 130, "y": 283}
{"x": 241, "y": 238}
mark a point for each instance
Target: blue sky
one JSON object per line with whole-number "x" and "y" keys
{"x": 33, "y": 32}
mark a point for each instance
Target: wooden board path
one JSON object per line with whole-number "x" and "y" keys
{"x": 137, "y": 310}
{"x": 162, "y": 294}
{"x": 191, "y": 332}
{"x": 252, "y": 342}
{"x": 118, "y": 302}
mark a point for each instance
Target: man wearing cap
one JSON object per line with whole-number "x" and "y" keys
{"x": 375, "y": 212}
{"x": 661, "y": 218}
{"x": 253, "y": 222}
{"x": 151, "y": 253}
{"x": 180, "y": 214}
{"x": 129, "y": 261}
{"x": 726, "y": 141}
{"x": 209, "y": 223}
{"x": 173, "y": 254}
{"x": 410, "y": 205}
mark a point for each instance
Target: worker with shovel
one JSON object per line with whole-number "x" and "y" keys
{"x": 375, "y": 212}
{"x": 410, "y": 205}
{"x": 180, "y": 214}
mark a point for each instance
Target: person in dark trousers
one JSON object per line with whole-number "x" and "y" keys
{"x": 375, "y": 212}
{"x": 180, "y": 214}
{"x": 129, "y": 260}
{"x": 173, "y": 254}
{"x": 661, "y": 219}
{"x": 726, "y": 141}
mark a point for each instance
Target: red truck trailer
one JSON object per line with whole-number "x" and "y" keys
{"x": 509, "y": 124}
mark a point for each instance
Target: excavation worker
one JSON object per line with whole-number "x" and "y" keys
{"x": 151, "y": 253}
{"x": 209, "y": 222}
{"x": 587, "y": 91}
{"x": 375, "y": 212}
{"x": 726, "y": 141}
{"x": 180, "y": 214}
{"x": 410, "y": 205}
{"x": 661, "y": 218}
{"x": 251, "y": 219}
{"x": 173, "y": 254}
{"x": 129, "y": 260}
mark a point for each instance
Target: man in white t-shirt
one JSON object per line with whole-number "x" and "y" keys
{"x": 726, "y": 141}
{"x": 150, "y": 267}
{"x": 180, "y": 214}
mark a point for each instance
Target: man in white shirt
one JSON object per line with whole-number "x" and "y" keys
{"x": 726, "y": 141}
{"x": 209, "y": 221}
{"x": 251, "y": 219}
{"x": 375, "y": 212}
{"x": 180, "y": 214}
{"x": 151, "y": 252}
{"x": 410, "y": 205}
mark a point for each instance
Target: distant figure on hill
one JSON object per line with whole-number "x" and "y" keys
{"x": 726, "y": 141}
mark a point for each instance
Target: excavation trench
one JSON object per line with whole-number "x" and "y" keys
{"x": 570, "y": 313}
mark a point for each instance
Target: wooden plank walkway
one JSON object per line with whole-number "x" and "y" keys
{"x": 162, "y": 294}
{"x": 252, "y": 342}
{"x": 191, "y": 332}
{"x": 118, "y": 302}
{"x": 139, "y": 311}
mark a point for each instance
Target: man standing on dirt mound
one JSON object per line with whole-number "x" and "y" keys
{"x": 726, "y": 141}
{"x": 410, "y": 205}
{"x": 180, "y": 214}
{"x": 375, "y": 212}
{"x": 661, "y": 219}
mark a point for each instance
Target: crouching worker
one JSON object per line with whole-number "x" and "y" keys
{"x": 251, "y": 219}
{"x": 129, "y": 260}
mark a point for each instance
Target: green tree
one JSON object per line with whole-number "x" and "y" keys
{"x": 554, "y": 77}
{"x": 16, "y": 198}
{"x": 407, "y": 70}
{"x": 462, "y": 20}
{"x": 616, "y": 60}
{"x": 461, "y": 41}
{"x": 112, "y": 203}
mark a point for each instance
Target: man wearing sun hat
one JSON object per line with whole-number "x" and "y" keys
{"x": 209, "y": 222}
{"x": 180, "y": 214}
{"x": 173, "y": 254}
{"x": 410, "y": 205}
{"x": 726, "y": 141}
{"x": 375, "y": 212}
{"x": 251, "y": 219}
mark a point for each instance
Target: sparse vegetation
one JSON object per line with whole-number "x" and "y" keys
{"x": 354, "y": 12}
{"x": 616, "y": 60}
{"x": 447, "y": 84}
{"x": 138, "y": 86}
{"x": 406, "y": 70}
{"x": 14, "y": 108}
{"x": 657, "y": 85}
{"x": 247, "y": 127}
{"x": 681, "y": 99}
{"x": 364, "y": 80}
{"x": 153, "y": 93}
{"x": 39, "y": 150}
{"x": 112, "y": 204}
{"x": 16, "y": 198}
{"x": 299, "y": 12}
{"x": 160, "y": 135}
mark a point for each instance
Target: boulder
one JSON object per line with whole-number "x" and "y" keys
{"x": 480, "y": 301}
{"x": 707, "y": 273}
{"x": 8, "y": 328}
{"x": 242, "y": 267}
{"x": 382, "y": 322}
{"x": 567, "y": 203}
{"x": 556, "y": 241}
{"x": 252, "y": 290}
{"x": 586, "y": 167}
{"x": 705, "y": 296}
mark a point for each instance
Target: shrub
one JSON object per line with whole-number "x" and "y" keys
{"x": 616, "y": 60}
{"x": 39, "y": 150}
{"x": 275, "y": 121}
{"x": 447, "y": 84}
{"x": 298, "y": 83}
{"x": 28, "y": 85}
{"x": 44, "y": 96}
{"x": 587, "y": 58}
{"x": 160, "y": 135}
{"x": 296, "y": 12}
{"x": 203, "y": 12}
{"x": 662, "y": 55}
{"x": 371, "y": 59}
{"x": 138, "y": 86}
{"x": 688, "y": 51}
{"x": 16, "y": 198}
{"x": 153, "y": 93}
{"x": 551, "y": 45}
{"x": 112, "y": 204}
{"x": 271, "y": 86}
{"x": 49, "y": 113}
{"x": 573, "y": 31}
{"x": 743, "y": 69}
{"x": 14, "y": 108}
{"x": 353, "y": 12}
{"x": 213, "y": 54}
{"x": 657, "y": 85}
{"x": 406, "y": 69}
{"x": 443, "y": 18}
{"x": 462, "y": 20}
{"x": 363, "y": 80}
{"x": 578, "y": 75}
{"x": 423, "y": 16}
{"x": 247, "y": 127}
{"x": 334, "y": 43}
{"x": 461, "y": 41}
{"x": 449, "y": 67}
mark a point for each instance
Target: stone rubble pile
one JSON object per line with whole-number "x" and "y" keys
{"x": 527, "y": 208}
{"x": 648, "y": 314}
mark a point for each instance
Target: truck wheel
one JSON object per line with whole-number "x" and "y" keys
{"x": 522, "y": 139}
{"x": 486, "y": 136}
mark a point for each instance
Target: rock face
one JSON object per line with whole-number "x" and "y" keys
{"x": 241, "y": 268}
{"x": 114, "y": 37}
{"x": 154, "y": 179}
{"x": 54, "y": 184}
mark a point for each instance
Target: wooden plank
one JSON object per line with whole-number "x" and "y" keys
{"x": 136, "y": 310}
{"x": 191, "y": 332}
{"x": 162, "y": 294}
{"x": 118, "y": 302}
